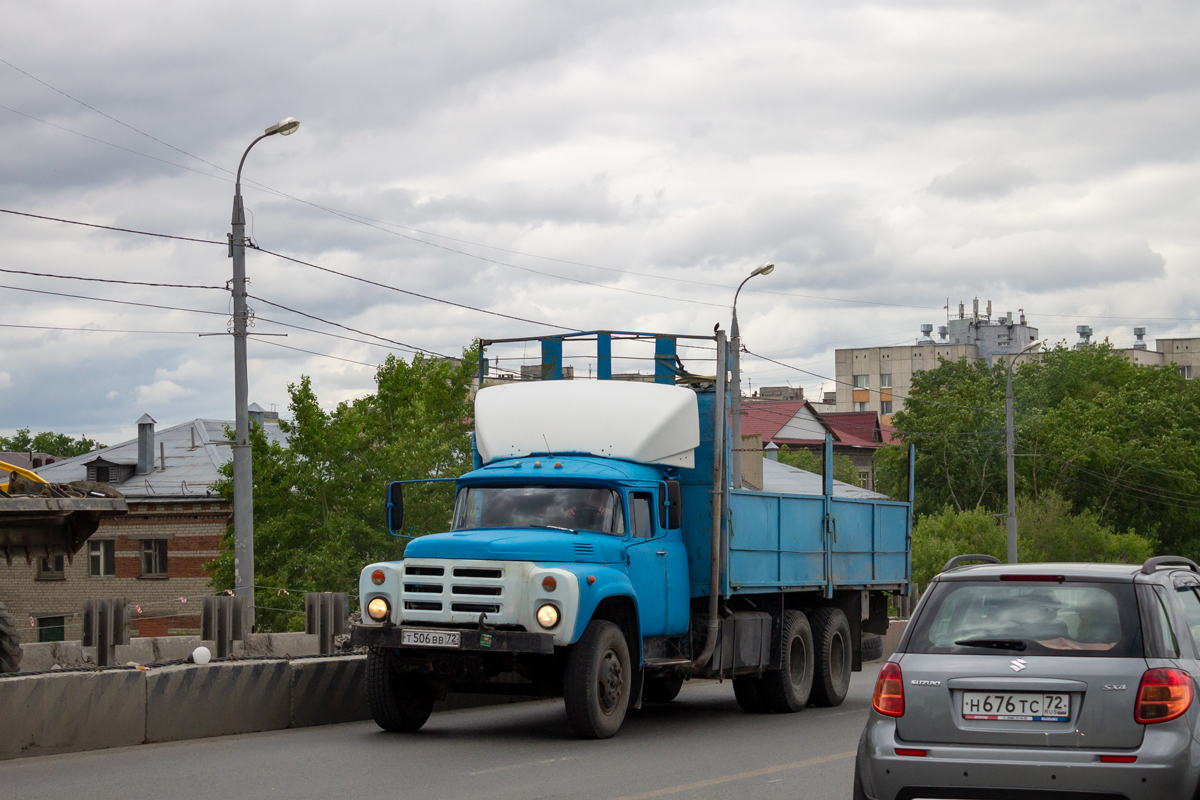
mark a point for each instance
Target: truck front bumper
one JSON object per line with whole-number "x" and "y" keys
{"x": 485, "y": 641}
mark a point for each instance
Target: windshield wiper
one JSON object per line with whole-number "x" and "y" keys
{"x": 996, "y": 644}
{"x": 556, "y": 528}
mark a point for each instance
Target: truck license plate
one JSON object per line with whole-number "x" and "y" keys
{"x": 1016, "y": 706}
{"x": 417, "y": 637}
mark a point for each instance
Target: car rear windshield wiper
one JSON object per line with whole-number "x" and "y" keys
{"x": 996, "y": 644}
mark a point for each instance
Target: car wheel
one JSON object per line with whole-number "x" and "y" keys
{"x": 400, "y": 702}
{"x": 597, "y": 681}
{"x": 662, "y": 688}
{"x": 788, "y": 688}
{"x": 831, "y": 641}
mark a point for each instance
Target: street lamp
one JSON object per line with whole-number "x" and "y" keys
{"x": 243, "y": 481}
{"x": 1011, "y": 521}
{"x": 735, "y": 344}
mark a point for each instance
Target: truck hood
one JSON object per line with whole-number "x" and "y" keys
{"x": 519, "y": 544}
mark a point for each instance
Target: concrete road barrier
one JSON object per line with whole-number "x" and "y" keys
{"x": 325, "y": 691}
{"x": 190, "y": 702}
{"x": 70, "y": 711}
{"x": 891, "y": 639}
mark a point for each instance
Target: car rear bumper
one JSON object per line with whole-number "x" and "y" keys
{"x": 1168, "y": 765}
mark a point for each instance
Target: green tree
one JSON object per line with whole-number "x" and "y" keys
{"x": 319, "y": 512}
{"x": 1048, "y": 531}
{"x": 56, "y": 444}
{"x": 843, "y": 468}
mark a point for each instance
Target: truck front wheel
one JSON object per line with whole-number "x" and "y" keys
{"x": 831, "y": 638}
{"x": 662, "y": 688}
{"x": 787, "y": 689}
{"x": 400, "y": 702}
{"x": 597, "y": 681}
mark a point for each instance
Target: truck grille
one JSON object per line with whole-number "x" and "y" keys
{"x": 475, "y": 608}
{"x": 476, "y": 572}
{"x": 423, "y": 588}
{"x": 434, "y": 572}
{"x": 457, "y": 592}
{"x": 421, "y": 605}
{"x": 483, "y": 590}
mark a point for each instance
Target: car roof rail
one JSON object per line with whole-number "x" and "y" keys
{"x": 958, "y": 561}
{"x": 1152, "y": 564}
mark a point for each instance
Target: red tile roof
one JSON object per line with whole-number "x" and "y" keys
{"x": 767, "y": 417}
{"x": 856, "y": 428}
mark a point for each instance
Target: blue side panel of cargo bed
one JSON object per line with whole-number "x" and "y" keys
{"x": 869, "y": 545}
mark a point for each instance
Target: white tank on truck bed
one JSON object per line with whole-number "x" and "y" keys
{"x": 649, "y": 423}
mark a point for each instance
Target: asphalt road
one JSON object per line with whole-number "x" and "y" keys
{"x": 701, "y": 746}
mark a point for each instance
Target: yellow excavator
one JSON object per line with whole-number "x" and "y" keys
{"x": 39, "y": 519}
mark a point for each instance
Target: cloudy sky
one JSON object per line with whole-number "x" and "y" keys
{"x": 613, "y": 165}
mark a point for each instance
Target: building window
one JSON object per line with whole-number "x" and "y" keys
{"x": 862, "y": 381}
{"x": 885, "y": 381}
{"x": 885, "y": 407}
{"x": 102, "y": 475}
{"x": 102, "y": 558}
{"x": 52, "y": 629}
{"x": 862, "y": 406}
{"x": 50, "y": 568}
{"x": 154, "y": 557}
{"x": 1186, "y": 372}
{"x": 864, "y": 478}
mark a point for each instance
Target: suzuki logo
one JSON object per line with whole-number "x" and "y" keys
{"x": 1018, "y": 664}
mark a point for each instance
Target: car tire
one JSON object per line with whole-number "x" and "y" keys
{"x": 831, "y": 642}
{"x": 787, "y": 690}
{"x": 872, "y": 647}
{"x": 597, "y": 681}
{"x": 748, "y": 692}
{"x": 400, "y": 702}
{"x": 10, "y": 642}
{"x": 662, "y": 688}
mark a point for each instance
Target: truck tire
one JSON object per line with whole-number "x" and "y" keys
{"x": 748, "y": 692}
{"x": 787, "y": 689}
{"x": 400, "y": 702}
{"x": 10, "y": 643}
{"x": 872, "y": 647}
{"x": 831, "y": 640}
{"x": 662, "y": 688}
{"x": 597, "y": 681}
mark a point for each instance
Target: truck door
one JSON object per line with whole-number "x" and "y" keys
{"x": 647, "y": 563}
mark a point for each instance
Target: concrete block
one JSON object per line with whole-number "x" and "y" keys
{"x": 71, "y": 711}
{"x": 295, "y": 644}
{"x": 175, "y": 648}
{"x": 37, "y": 656}
{"x": 329, "y": 690}
{"x": 139, "y": 651}
{"x": 891, "y": 639}
{"x": 257, "y": 645}
{"x": 192, "y": 702}
{"x": 68, "y": 654}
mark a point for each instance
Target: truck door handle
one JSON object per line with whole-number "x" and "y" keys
{"x": 662, "y": 552}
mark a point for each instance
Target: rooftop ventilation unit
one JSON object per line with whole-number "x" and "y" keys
{"x": 1085, "y": 336}
{"x": 925, "y": 337}
{"x": 1140, "y": 344}
{"x": 943, "y": 332}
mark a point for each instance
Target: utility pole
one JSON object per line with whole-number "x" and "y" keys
{"x": 243, "y": 478}
{"x": 1011, "y": 521}
{"x": 735, "y": 347}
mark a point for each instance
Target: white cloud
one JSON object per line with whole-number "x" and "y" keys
{"x": 161, "y": 392}
{"x": 5, "y": 380}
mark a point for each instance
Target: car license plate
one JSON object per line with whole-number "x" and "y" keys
{"x": 1016, "y": 706}
{"x": 417, "y": 637}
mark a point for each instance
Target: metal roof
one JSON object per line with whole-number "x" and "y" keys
{"x": 194, "y": 452}
{"x": 790, "y": 480}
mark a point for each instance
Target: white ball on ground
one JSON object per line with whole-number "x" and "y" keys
{"x": 201, "y": 655}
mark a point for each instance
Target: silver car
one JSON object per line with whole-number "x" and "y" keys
{"x": 1037, "y": 681}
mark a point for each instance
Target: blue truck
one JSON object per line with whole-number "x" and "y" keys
{"x": 602, "y": 550}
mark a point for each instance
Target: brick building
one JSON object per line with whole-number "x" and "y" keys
{"x": 156, "y": 554}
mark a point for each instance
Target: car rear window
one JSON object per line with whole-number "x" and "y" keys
{"x": 1033, "y": 618}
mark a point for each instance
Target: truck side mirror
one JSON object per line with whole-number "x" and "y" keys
{"x": 671, "y": 512}
{"x": 395, "y": 507}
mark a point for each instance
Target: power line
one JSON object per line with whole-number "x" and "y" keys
{"x": 315, "y": 353}
{"x": 337, "y": 335}
{"x": 112, "y": 280}
{"x": 100, "y": 330}
{"x": 347, "y": 327}
{"x": 118, "y": 302}
{"x": 111, "y": 228}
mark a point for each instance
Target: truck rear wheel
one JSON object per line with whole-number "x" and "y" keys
{"x": 872, "y": 647}
{"x": 662, "y": 688}
{"x": 787, "y": 689}
{"x": 748, "y": 692}
{"x": 831, "y": 638}
{"x": 10, "y": 643}
{"x": 597, "y": 681}
{"x": 400, "y": 702}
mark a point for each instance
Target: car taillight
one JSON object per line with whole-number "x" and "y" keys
{"x": 1163, "y": 695}
{"x": 889, "y": 691}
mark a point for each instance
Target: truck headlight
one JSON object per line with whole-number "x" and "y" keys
{"x": 377, "y": 609}
{"x": 547, "y": 616}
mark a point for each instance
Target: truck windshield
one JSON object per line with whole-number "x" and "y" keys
{"x": 582, "y": 508}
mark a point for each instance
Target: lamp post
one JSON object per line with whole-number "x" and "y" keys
{"x": 243, "y": 480}
{"x": 735, "y": 345}
{"x": 1011, "y": 521}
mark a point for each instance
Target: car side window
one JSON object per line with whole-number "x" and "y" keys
{"x": 640, "y": 509}
{"x": 1191, "y": 610}
{"x": 1163, "y": 619}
